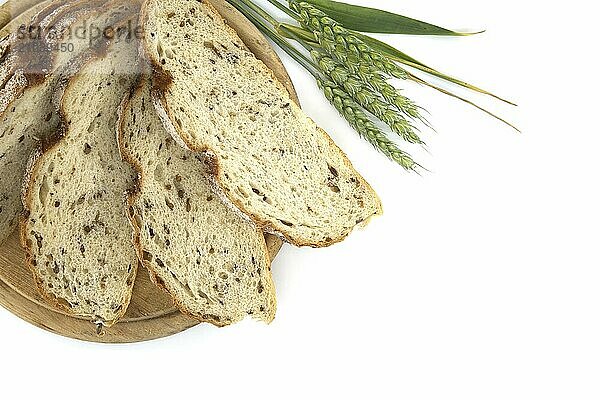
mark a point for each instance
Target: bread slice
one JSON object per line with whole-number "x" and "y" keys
{"x": 213, "y": 262}
{"x": 27, "y": 113}
{"x": 77, "y": 235}
{"x": 269, "y": 159}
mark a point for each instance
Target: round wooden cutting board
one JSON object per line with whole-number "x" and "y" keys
{"x": 151, "y": 314}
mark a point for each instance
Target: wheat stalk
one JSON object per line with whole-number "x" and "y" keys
{"x": 346, "y": 106}
{"x": 391, "y": 94}
{"x": 352, "y": 69}
{"x": 357, "y": 118}
{"x": 365, "y": 97}
{"x": 342, "y": 43}
{"x": 368, "y": 99}
{"x": 373, "y": 73}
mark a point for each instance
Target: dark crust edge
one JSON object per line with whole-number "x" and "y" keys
{"x": 74, "y": 67}
{"x": 55, "y": 10}
{"x": 161, "y": 103}
{"x": 131, "y": 199}
{"x": 7, "y": 32}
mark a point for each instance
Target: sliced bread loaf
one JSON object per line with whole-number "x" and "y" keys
{"x": 269, "y": 159}
{"x": 76, "y": 234}
{"x": 27, "y": 113}
{"x": 213, "y": 262}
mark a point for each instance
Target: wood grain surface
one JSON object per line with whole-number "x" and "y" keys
{"x": 151, "y": 314}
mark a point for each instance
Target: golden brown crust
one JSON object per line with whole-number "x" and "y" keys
{"x": 158, "y": 93}
{"x": 44, "y": 58}
{"x": 20, "y": 19}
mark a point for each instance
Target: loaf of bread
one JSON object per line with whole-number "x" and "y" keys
{"x": 11, "y": 30}
{"x": 77, "y": 234}
{"x": 268, "y": 158}
{"x": 16, "y": 34}
{"x": 26, "y": 54}
{"x": 213, "y": 262}
{"x": 177, "y": 150}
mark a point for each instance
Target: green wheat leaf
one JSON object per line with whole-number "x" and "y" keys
{"x": 407, "y": 60}
{"x": 366, "y": 19}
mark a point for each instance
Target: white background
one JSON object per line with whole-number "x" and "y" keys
{"x": 480, "y": 282}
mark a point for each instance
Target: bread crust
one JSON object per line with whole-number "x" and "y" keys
{"x": 131, "y": 199}
{"x": 9, "y": 29}
{"x": 161, "y": 104}
{"x": 34, "y": 164}
{"x": 48, "y": 14}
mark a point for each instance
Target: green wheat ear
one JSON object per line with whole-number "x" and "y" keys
{"x": 353, "y": 70}
{"x": 340, "y": 42}
{"x": 371, "y": 100}
{"x": 356, "y": 117}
